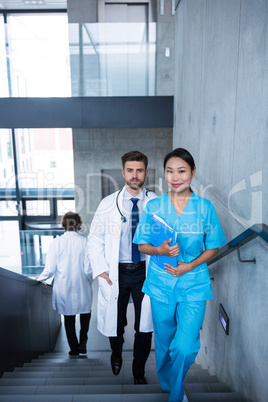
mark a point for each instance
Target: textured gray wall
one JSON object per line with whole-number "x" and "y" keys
{"x": 97, "y": 149}
{"x": 82, "y": 11}
{"x": 29, "y": 325}
{"x": 220, "y": 112}
{"x": 164, "y": 69}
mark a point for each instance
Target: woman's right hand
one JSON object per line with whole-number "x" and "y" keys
{"x": 165, "y": 249}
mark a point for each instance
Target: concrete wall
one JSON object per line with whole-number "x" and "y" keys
{"x": 29, "y": 325}
{"x": 98, "y": 149}
{"x": 164, "y": 68}
{"x": 220, "y": 112}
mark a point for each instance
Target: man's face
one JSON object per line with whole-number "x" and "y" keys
{"x": 134, "y": 173}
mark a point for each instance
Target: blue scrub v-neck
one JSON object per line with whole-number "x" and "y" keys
{"x": 190, "y": 198}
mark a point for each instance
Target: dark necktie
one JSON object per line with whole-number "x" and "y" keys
{"x": 134, "y": 224}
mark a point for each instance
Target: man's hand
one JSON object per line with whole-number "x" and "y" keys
{"x": 165, "y": 249}
{"x": 106, "y": 277}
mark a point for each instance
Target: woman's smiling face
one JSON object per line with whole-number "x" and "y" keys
{"x": 178, "y": 175}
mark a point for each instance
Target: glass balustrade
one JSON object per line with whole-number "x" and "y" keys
{"x": 41, "y": 55}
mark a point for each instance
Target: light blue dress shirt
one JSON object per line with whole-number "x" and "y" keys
{"x": 125, "y": 251}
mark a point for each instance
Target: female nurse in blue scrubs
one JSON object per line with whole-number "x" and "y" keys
{"x": 178, "y": 291}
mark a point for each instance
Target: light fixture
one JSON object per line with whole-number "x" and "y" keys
{"x": 173, "y": 7}
{"x": 224, "y": 319}
{"x": 162, "y": 7}
{"x": 34, "y": 2}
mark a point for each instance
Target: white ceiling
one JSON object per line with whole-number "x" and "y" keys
{"x": 32, "y": 4}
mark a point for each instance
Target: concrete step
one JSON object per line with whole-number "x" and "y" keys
{"x": 100, "y": 355}
{"x": 151, "y": 375}
{"x": 216, "y": 397}
{"x": 14, "y": 379}
{"x": 79, "y": 389}
{"x": 55, "y": 374}
{"x": 71, "y": 381}
{"x": 60, "y": 377}
{"x": 86, "y": 398}
{"x": 54, "y": 363}
{"x": 86, "y": 368}
{"x": 206, "y": 387}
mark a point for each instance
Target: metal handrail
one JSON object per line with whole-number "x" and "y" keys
{"x": 245, "y": 237}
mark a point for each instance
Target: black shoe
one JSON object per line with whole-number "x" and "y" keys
{"x": 82, "y": 348}
{"x": 73, "y": 353}
{"x": 116, "y": 363}
{"x": 140, "y": 380}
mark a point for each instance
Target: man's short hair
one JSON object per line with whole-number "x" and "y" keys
{"x": 134, "y": 156}
{"x": 71, "y": 221}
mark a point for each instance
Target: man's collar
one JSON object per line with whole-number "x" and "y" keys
{"x": 140, "y": 196}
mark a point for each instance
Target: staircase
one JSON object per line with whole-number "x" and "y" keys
{"x": 58, "y": 377}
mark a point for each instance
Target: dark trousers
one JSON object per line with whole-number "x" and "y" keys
{"x": 130, "y": 283}
{"x": 69, "y": 323}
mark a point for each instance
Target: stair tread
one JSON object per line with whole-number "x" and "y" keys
{"x": 63, "y": 362}
{"x": 94, "y": 355}
{"x": 216, "y": 397}
{"x": 82, "y": 378}
{"x": 56, "y": 374}
{"x": 85, "y": 398}
{"x": 206, "y": 387}
{"x": 126, "y": 380}
{"x": 206, "y": 378}
{"x": 60, "y": 368}
{"x": 79, "y": 389}
{"x": 109, "y": 388}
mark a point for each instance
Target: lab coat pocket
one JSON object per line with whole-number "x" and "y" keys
{"x": 104, "y": 291}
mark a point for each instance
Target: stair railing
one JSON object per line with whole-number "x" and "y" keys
{"x": 245, "y": 237}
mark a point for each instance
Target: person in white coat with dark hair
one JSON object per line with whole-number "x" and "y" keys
{"x": 120, "y": 270}
{"x": 68, "y": 261}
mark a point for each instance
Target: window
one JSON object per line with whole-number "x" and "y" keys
{"x": 49, "y": 149}
{"x": 38, "y": 57}
{"x": 37, "y": 207}
{"x": 3, "y": 61}
{"x": 116, "y": 57}
{"x": 43, "y": 194}
{"x": 10, "y": 252}
{"x": 64, "y": 206}
{"x": 7, "y": 179}
{"x": 8, "y": 208}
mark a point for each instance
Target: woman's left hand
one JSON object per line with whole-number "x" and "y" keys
{"x": 180, "y": 269}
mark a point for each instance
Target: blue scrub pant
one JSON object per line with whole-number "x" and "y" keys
{"x": 177, "y": 342}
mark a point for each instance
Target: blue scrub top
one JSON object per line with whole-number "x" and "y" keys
{"x": 198, "y": 229}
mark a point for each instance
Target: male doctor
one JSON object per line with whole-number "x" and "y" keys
{"x": 120, "y": 267}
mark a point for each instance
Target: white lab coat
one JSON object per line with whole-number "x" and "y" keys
{"x": 67, "y": 260}
{"x": 103, "y": 244}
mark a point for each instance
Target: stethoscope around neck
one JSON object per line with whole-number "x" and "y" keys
{"x": 123, "y": 218}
